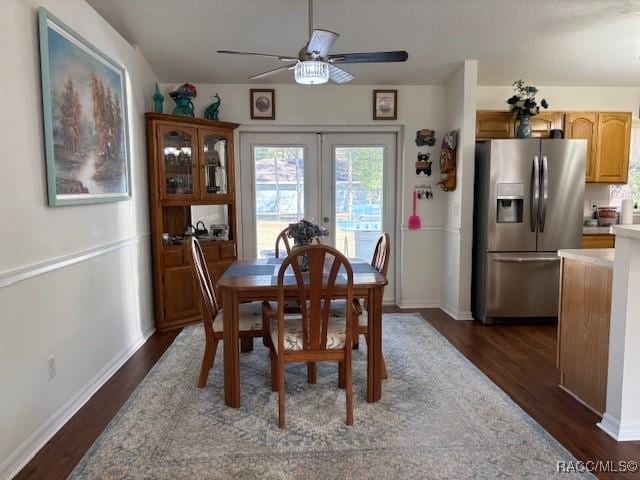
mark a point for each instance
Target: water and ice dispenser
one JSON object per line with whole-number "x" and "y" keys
{"x": 510, "y": 202}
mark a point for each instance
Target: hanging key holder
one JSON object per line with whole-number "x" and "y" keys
{"x": 424, "y": 192}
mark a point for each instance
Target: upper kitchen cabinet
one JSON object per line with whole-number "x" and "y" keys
{"x": 608, "y": 136}
{"x": 584, "y": 125}
{"x": 612, "y": 153}
{"x": 544, "y": 122}
{"x": 494, "y": 124}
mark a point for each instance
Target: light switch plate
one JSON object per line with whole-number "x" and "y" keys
{"x": 594, "y": 204}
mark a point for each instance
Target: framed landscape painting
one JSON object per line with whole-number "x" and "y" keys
{"x": 85, "y": 118}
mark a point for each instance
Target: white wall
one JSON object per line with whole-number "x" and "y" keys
{"x": 418, "y": 107}
{"x": 458, "y": 235}
{"x": 92, "y": 314}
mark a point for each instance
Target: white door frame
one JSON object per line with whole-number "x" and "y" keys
{"x": 398, "y": 130}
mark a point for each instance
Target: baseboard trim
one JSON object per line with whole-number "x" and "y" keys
{"x": 454, "y": 313}
{"x": 23, "y": 273}
{"x": 622, "y": 432}
{"x": 30, "y": 447}
{"x": 418, "y": 304}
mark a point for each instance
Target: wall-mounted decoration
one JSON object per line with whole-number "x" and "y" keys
{"x": 182, "y": 95}
{"x": 85, "y": 118}
{"x": 263, "y": 103}
{"x": 448, "y": 167}
{"x": 158, "y": 100}
{"x": 211, "y": 112}
{"x": 425, "y": 137}
{"x": 385, "y": 104}
{"x": 423, "y": 165}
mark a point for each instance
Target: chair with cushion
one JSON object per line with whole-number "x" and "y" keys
{"x": 379, "y": 261}
{"x": 313, "y": 334}
{"x": 250, "y": 314}
{"x": 283, "y": 237}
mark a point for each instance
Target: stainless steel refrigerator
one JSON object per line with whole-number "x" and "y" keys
{"x": 529, "y": 202}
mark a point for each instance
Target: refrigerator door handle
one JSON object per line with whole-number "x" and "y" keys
{"x": 544, "y": 192}
{"x": 526, "y": 259}
{"x": 535, "y": 192}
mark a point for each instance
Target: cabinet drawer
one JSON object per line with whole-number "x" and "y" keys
{"x": 173, "y": 257}
{"x": 228, "y": 251}
{"x": 598, "y": 241}
{"x": 211, "y": 251}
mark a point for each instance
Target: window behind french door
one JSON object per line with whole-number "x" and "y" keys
{"x": 343, "y": 181}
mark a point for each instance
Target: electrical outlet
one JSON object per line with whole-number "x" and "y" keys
{"x": 594, "y": 204}
{"x": 51, "y": 362}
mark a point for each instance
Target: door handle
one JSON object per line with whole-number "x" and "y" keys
{"x": 535, "y": 192}
{"x": 526, "y": 259}
{"x": 545, "y": 192}
{"x": 326, "y": 219}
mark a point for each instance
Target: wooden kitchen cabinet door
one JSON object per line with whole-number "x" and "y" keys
{"x": 612, "y": 151}
{"x": 494, "y": 124}
{"x": 544, "y": 122}
{"x": 584, "y": 125}
{"x": 181, "y": 296}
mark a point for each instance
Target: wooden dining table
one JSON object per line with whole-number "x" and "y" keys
{"x": 256, "y": 280}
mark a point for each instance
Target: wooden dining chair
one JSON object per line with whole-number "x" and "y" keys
{"x": 379, "y": 261}
{"x": 313, "y": 334}
{"x": 283, "y": 237}
{"x": 250, "y": 318}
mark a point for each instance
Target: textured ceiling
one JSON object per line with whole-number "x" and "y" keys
{"x": 548, "y": 42}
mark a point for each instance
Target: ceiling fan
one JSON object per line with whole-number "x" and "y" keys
{"x": 314, "y": 65}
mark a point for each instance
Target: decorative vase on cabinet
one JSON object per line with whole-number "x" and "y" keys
{"x": 524, "y": 127}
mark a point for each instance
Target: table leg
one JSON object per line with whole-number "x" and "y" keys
{"x": 374, "y": 347}
{"x": 231, "y": 349}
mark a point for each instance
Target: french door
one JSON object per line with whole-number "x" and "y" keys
{"x": 343, "y": 181}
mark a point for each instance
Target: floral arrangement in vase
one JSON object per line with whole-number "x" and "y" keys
{"x": 524, "y": 106}
{"x": 304, "y": 232}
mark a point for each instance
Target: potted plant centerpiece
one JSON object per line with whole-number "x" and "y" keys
{"x": 304, "y": 233}
{"x": 524, "y": 106}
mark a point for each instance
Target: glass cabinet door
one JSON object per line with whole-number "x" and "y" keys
{"x": 178, "y": 162}
{"x": 214, "y": 160}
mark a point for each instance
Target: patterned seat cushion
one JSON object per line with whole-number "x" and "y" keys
{"x": 336, "y": 334}
{"x": 338, "y": 311}
{"x": 250, "y": 317}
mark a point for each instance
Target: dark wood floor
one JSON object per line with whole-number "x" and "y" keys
{"x": 520, "y": 359}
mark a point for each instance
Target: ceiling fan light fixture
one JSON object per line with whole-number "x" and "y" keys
{"x": 312, "y": 72}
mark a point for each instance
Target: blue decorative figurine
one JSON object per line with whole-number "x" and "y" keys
{"x": 158, "y": 98}
{"x": 211, "y": 112}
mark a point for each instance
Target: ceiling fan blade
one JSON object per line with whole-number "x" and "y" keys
{"x": 270, "y": 72}
{"x": 321, "y": 42}
{"x": 267, "y": 55}
{"x": 370, "y": 57}
{"x": 338, "y": 75}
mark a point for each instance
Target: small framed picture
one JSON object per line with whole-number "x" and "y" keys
{"x": 385, "y": 104}
{"x": 263, "y": 103}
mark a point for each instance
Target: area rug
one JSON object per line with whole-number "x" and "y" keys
{"x": 439, "y": 417}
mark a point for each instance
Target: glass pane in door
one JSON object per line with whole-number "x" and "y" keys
{"x": 358, "y": 199}
{"x": 215, "y": 164}
{"x": 279, "y": 192}
{"x": 178, "y": 163}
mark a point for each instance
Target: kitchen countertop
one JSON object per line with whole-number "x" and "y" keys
{"x": 597, "y": 256}
{"x": 596, "y": 230}
{"x": 630, "y": 231}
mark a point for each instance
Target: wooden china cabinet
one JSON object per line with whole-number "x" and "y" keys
{"x": 191, "y": 179}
